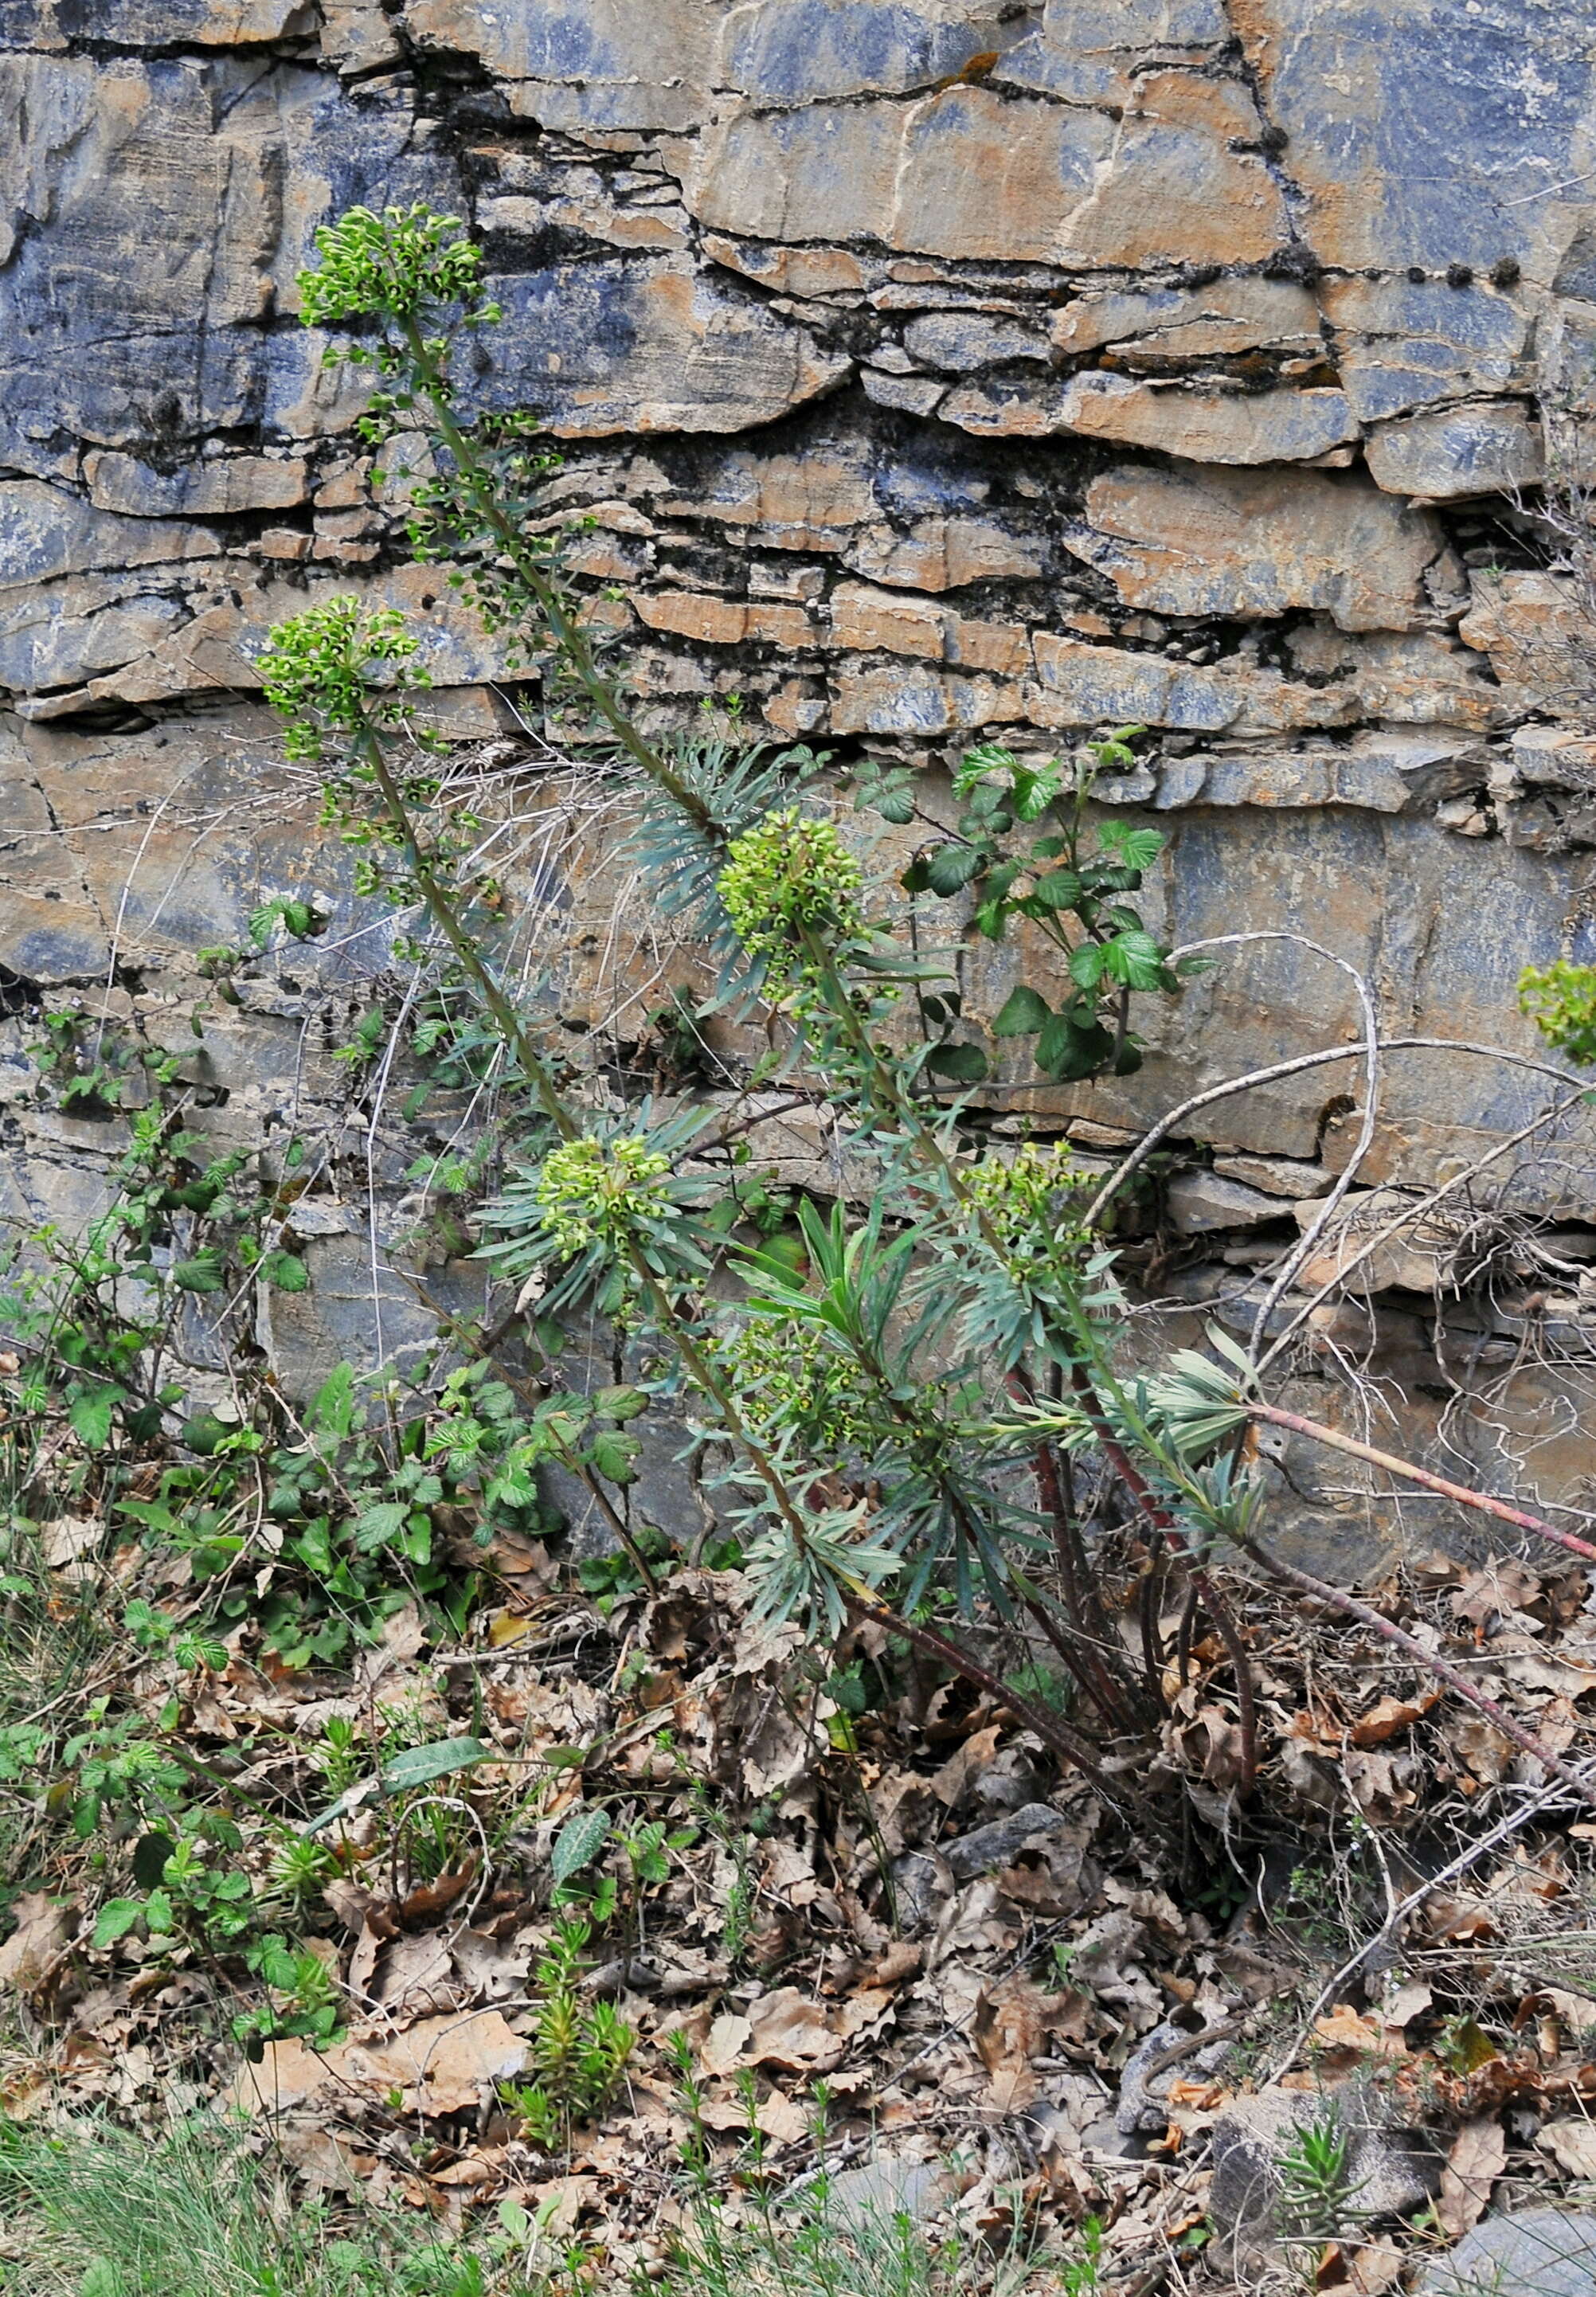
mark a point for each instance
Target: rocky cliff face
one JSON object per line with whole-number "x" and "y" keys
{"x": 923, "y": 369}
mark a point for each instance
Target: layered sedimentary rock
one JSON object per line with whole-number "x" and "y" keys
{"x": 924, "y": 370}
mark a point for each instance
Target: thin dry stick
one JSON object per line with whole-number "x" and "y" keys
{"x": 1442, "y": 1669}
{"x": 1371, "y": 1099}
{"x": 1172, "y": 1120}
{"x": 1465, "y": 1496}
{"x": 1417, "y": 1211}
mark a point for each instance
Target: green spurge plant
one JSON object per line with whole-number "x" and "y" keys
{"x": 1560, "y": 998}
{"x": 955, "y": 1352}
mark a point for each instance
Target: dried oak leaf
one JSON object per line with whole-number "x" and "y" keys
{"x": 1346, "y": 2029}
{"x": 420, "y": 1903}
{"x": 782, "y": 2119}
{"x": 723, "y": 2045}
{"x": 1500, "y": 1591}
{"x": 1010, "y": 2028}
{"x": 443, "y": 2065}
{"x": 1478, "y": 2155}
{"x": 1572, "y": 2145}
{"x": 959, "y": 1773}
{"x": 1374, "y": 2266}
{"x": 788, "y": 2029}
{"x": 44, "y": 1929}
{"x": 66, "y": 1537}
{"x": 1381, "y": 1785}
{"x": 1486, "y": 1751}
{"x": 1388, "y": 1717}
{"x": 414, "y": 1976}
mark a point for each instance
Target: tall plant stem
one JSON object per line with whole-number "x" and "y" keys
{"x": 441, "y": 910}
{"x": 1213, "y": 1603}
{"x": 1463, "y": 1493}
{"x": 1441, "y": 1669}
{"x": 568, "y": 636}
{"x": 1080, "y": 1596}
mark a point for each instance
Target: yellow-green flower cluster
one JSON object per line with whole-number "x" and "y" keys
{"x": 600, "y": 1191}
{"x": 1560, "y": 998}
{"x": 790, "y": 873}
{"x": 1019, "y": 1194}
{"x": 785, "y": 1375}
{"x": 391, "y": 264}
{"x": 320, "y": 671}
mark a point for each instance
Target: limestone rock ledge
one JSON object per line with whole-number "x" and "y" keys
{"x": 924, "y": 369}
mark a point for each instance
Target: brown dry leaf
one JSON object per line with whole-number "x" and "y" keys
{"x": 65, "y": 1537}
{"x": 1459, "y": 1916}
{"x": 44, "y": 1929}
{"x": 475, "y": 2169}
{"x": 1388, "y": 1717}
{"x": 781, "y": 2118}
{"x": 789, "y": 1873}
{"x": 1374, "y": 2267}
{"x": 1572, "y": 2145}
{"x": 362, "y": 1962}
{"x": 1008, "y": 2033}
{"x": 414, "y": 1976}
{"x": 1010, "y": 2028}
{"x": 404, "y": 1637}
{"x": 954, "y": 1781}
{"x": 1486, "y": 1751}
{"x": 1379, "y": 1784}
{"x": 1408, "y": 2002}
{"x": 788, "y": 2030}
{"x": 443, "y": 2065}
{"x": 430, "y": 1898}
{"x": 562, "y": 2200}
{"x": 1478, "y": 2155}
{"x": 487, "y": 1966}
{"x": 905, "y": 1808}
{"x": 1217, "y": 1746}
{"x": 724, "y": 2045}
{"x": 1345, "y": 2030}
{"x": 1498, "y": 1590}
{"x": 321, "y": 2161}
{"x": 1532, "y": 1669}
{"x": 901, "y": 1961}
{"x": 1577, "y": 2012}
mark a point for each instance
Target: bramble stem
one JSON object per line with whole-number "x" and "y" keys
{"x": 1463, "y": 1493}
{"x": 1442, "y": 1669}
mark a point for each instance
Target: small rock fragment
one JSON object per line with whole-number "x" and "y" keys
{"x": 1544, "y": 2253}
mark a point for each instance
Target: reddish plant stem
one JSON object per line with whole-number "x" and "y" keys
{"x": 1080, "y": 1594}
{"x": 1481, "y": 1501}
{"x": 1073, "y": 1655}
{"x": 1442, "y": 1669}
{"x": 1066, "y": 1744}
{"x": 1213, "y": 1603}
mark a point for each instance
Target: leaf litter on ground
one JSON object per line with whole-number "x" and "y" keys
{"x": 840, "y": 1981}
